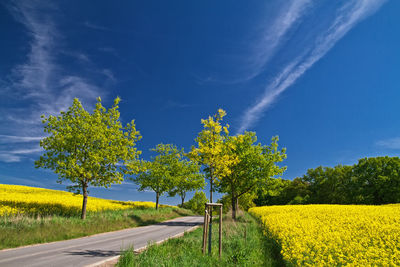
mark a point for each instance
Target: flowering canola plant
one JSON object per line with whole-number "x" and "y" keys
{"x": 17, "y": 199}
{"x": 334, "y": 235}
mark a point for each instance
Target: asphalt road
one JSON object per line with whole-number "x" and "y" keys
{"x": 90, "y": 250}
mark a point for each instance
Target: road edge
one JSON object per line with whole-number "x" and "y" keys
{"x": 113, "y": 260}
{"x": 86, "y": 236}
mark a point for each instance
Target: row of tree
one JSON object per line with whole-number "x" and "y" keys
{"x": 169, "y": 172}
{"x": 235, "y": 165}
{"x": 96, "y": 149}
{"x": 374, "y": 180}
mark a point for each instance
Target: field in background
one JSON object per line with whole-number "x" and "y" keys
{"x": 18, "y": 199}
{"x": 334, "y": 235}
{"x": 30, "y": 215}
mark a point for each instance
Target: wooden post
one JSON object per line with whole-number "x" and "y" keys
{"x": 207, "y": 223}
{"x": 220, "y": 231}
{"x": 210, "y": 229}
{"x": 205, "y": 229}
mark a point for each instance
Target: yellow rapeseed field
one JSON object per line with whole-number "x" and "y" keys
{"x": 17, "y": 199}
{"x": 334, "y": 235}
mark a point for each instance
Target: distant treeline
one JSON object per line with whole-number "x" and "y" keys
{"x": 370, "y": 181}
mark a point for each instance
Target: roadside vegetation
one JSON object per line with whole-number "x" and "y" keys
{"x": 20, "y": 230}
{"x": 243, "y": 244}
{"x": 31, "y": 215}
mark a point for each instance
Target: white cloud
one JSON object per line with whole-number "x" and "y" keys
{"x": 19, "y": 139}
{"x": 346, "y": 18}
{"x": 42, "y": 79}
{"x": 9, "y": 158}
{"x": 41, "y": 83}
{"x": 287, "y": 17}
{"x": 392, "y": 143}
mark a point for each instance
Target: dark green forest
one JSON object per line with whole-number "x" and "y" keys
{"x": 373, "y": 181}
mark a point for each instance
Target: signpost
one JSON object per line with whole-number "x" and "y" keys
{"x": 207, "y": 218}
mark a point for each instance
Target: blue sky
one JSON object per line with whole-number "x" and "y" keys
{"x": 323, "y": 75}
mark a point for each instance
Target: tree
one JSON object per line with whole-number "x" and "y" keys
{"x": 158, "y": 174}
{"x": 254, "y": 165}
{"x": 245, "y": 201}
{"x": 186, "y": 177}
{"x": 209, "y": 153}
{"x": 196, "y": 204}
{"x": 273, "y": 193}
{"x": 88, "y": 149}
{"x": 296, "y": 192}
{"x": 210, "y": 143}
{"x": 377, "y": 180}
{"x": 330, "y": 185}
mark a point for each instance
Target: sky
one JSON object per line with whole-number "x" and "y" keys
{"x": 322, "y": 75}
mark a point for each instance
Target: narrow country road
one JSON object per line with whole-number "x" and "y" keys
{"x": 90, "y": 250}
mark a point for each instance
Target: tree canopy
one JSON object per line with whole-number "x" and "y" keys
{"x": 169, "y": 172}
{"x": 88, "y": 149}
{"x": 186, "y": 177}
{"x": 373, "y": 180}
{"x": 209, "y": 150}
{"x": 254, "y": 165}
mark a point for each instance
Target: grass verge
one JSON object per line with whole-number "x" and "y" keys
{"x": 243, "y": 245}
{"x": 21, "y": 230}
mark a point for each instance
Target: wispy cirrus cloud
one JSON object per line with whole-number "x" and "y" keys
{"x": 276, "y": 30}
{"x": 346, "y": 17}
{"x": 286, "y": 19}
{"x": 391, "y": 143}
{"x": 19, "y": 139}
{"x": 41, "y": 84}
{"x": 16, "y": 155}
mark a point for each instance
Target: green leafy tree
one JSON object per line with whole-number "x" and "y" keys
{"x": 186, "y": 177}
{"x": 254, "y": 164}
{"x": 197, "y": 202}
{"x": 377, "y": 180}
{"x": 297, "y": 192}
{"x": 329, "y": 185}
{"x": 245, "y": 201}
{"x": 88, "y": 149}
{"x": 273, "y": 193}
{"x": 208, "y": 153}
{"x": 158, "y": 174}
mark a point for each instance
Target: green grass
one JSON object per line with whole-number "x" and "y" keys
{"x": 24, "y": 230}
{"x": 243, "y": 245}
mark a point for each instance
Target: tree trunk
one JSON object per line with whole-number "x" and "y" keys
{"x": 183, "y": 201}
{"x": 85, "y": 195}
{"x": 233, "y": 198}
{"x": 237, "y": 204}
{"x": 211, "y": 184}
{"x": 157, "y": 198}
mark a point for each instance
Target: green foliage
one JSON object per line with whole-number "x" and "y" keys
{"x": 245, "y": 202}
{"x": 370, "y": 181}
{"x": 186, "y": 177}
{"x": 209, "y": 150}
{"x": 329, "y": 185}
{"x": 158, "y": 174}
{"x": 196, "y": 204}
{"x": 376, "y": 180}
{"x": 254, "y": 165}
{"x": 243, "y": 244}
{"x": 127, "y": 258}
{"x": 88, "y": 149}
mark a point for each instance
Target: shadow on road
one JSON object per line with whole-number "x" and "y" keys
{"x": 180, "y": 223}
{"x": 94, "y": 253}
